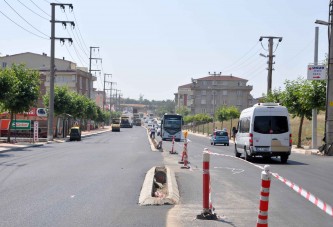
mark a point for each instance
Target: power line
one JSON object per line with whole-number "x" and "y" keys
{"x": 80, "y": 31}
{"x": 40, "y": 8}
{"x": 78, "y": 39}
{"x": 24, "y": 19}
{"x": 33, "y": 11}
{"x": 228, "y": 67}
{"x": 21, "y": 26}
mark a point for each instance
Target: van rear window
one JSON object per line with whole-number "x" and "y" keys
{"x": 271, "y": 124}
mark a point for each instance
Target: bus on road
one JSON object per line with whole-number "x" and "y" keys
{"x": 171, "y": 125}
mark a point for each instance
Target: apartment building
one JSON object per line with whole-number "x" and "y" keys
{"x": 206, "y": 94}
{"x": 67, "y": 73}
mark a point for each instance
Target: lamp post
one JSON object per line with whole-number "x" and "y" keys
{"x": 329, "y": 87}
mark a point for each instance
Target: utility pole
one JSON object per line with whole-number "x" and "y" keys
{"x": 213, "y": 92}
{"x": 52, "y": 65}
{"x": 314, "y": 111}
{"x": 104, "y": 93}
{"x": 270, "y": 59}
{"x": 91, "y": 70}
{"x": 329, "y": 91}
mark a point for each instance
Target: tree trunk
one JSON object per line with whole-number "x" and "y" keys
{"x": 299, "y": 142}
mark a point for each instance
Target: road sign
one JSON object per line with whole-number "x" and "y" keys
{"x": 20, "y": 125}
{"x": 316, "y": 72}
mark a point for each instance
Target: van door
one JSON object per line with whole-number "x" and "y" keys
{"x": 271, "y": 134}
{"x": 262, "y": 133}
{"x": 280, "y": 134}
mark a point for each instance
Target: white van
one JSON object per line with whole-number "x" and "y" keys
{"x": 264, "y": 130}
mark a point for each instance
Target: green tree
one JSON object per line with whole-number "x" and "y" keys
{"x": 274, "y": 96}
{"x": 233, "y": 113}
{"x": 222, "y": 114}
{"x": 184, "y": 111}
{"x": 62, "y": 100}
{"x": 23, "y": 94}
{"x": 300, "y": 97}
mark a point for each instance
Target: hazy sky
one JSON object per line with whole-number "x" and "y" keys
{"x": 153, "y": 46}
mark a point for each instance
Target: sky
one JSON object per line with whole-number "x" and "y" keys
{"x": 151, "y": 47}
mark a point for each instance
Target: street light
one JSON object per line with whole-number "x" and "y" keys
{"x": 329, "y": 87}
{"x": 322, "y": 22}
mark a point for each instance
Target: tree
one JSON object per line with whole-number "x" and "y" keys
{"x": 62, "y": 100}
{"x": 184, "y": 111}
{"x": 233, "y": 113}
{"x": 222, "y": 114}
{"x": 23, "y": 94}
{"x": 300, "y": 97}
{"x": 273, "y": 96}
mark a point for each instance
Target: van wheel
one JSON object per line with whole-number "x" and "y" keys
{"x": 246, "y": 156}
{"x": 237, "y": 154}
{"x": 284, "y": 158}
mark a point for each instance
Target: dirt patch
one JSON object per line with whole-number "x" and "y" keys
{"x": 160, "y": 188}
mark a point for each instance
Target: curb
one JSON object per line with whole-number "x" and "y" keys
{"x": 21, "y": 148}
{"x": 146, "y": 198}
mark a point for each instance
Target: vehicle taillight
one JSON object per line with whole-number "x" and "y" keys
{"x": 251, "y": 139}
{"x": 290, "y": 140}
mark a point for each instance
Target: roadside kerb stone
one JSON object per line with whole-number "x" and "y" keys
{"x": 146, "y": 197}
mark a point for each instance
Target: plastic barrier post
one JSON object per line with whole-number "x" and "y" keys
{"x": 173, "y": 144}
{"x": 185, "y": 155}
{"x": 262, "y": 220}
{"x": 208, "y": 210}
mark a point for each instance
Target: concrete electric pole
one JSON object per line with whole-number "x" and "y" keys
{"x": 92, "y": 70}
{"x": 314, "y": 111}
{"x": 270, "y": 59}
{"x": 214, "y": 93}
{"x": 52, "y": 65}
{"x": 329, "y": 91}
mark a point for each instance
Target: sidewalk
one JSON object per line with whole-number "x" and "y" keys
{"x": 4, "y": 147}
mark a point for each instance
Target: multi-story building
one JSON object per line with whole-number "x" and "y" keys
{"x": 207, "y": 94}
{"x": 77, "y": 79}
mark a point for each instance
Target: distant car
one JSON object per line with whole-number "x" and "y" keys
{"x": 219, "y": 137}
{"x": 75, "y": 134}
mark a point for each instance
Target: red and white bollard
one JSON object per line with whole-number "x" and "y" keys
{"x": 208, "y": 210}
{"x": 185, "y": 156}
{"x": 173, "y": 145}
{"x": 262, "y": 220}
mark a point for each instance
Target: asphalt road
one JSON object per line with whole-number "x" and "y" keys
{"x": 95, "y": 182}
{"x": 236, "y": 185}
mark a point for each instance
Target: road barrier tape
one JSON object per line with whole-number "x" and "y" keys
{"x": 307, "y": 195}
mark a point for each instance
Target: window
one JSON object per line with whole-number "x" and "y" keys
{"x": 203, "y": 101}
{"x": 204, "y": 82}
{"x": 270, "y": 124}
{"x": 239, "y": 93}
{"x": 203, "y": 92}
{"x": 225, "y": 92}
{"x": 203, "y": 110}
{"x": 244, "y": 125}
{"x": 239, "y": 102}
{"x": 225, "y": 83}
{"x": 4, "y": 64}
{"x": 214, "y": 82}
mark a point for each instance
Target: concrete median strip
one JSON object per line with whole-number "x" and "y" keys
{"x": 147, "y": 190}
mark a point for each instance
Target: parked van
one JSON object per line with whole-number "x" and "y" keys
{"x": 264, "y": 130}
